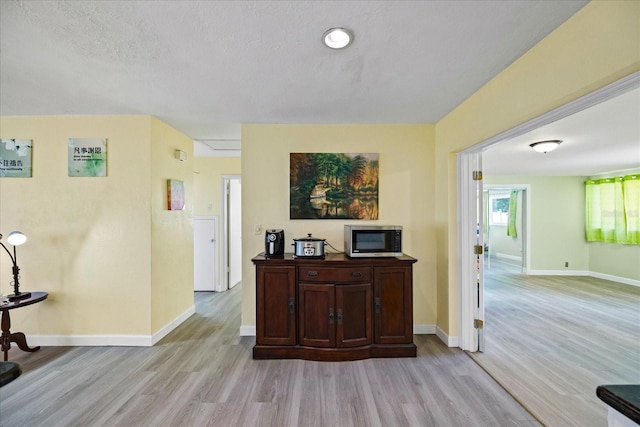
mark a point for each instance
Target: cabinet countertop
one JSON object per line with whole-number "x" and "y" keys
{"x": 290, "y": 258}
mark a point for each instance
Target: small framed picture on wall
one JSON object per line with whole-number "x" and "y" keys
{"x": 15, "y": 158}
{"x": 175, "y": 195}
{"x": 87, "y": 157}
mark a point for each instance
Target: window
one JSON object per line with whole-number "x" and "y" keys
{"x": 498, "y": 209}
{"x": 613, "y": 210}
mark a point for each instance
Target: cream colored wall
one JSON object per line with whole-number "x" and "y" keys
{"x": 406, "y": 194}
{"x": 207, "y": 177}
{"x": 88, "y": 238}
{"x": 556, "y": 221}
{"x": 171, "y": 231}
{"x": 597, "y": 46}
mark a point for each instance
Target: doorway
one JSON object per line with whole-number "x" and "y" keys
{"x": 231, "y": 230}
{"x": 504, "y": 241}
{"x": 470, "y": 266}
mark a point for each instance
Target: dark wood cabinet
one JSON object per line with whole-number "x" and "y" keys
{"x": 392, "y": 302}
{"x": 276, "y": 313}
{"x": 353, "y": 315}
{"x": 337, "y": 308}
{"x": 317, "y": 315}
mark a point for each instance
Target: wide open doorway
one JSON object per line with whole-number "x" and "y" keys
{"x": 470, "y": 206}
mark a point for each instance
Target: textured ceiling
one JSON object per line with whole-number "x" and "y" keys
{"x": 205, "y": 67}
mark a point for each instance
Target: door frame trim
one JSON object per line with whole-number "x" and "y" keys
{"x": 224, "y": 240}
{"x": 468, "y": 221}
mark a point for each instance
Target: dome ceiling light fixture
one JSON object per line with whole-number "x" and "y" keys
{"x": 337, "y": 38}
{"x": 545, "y": 146}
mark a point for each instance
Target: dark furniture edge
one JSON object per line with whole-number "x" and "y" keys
{"x": 624, "y": 398}
{"x": 334, "y": 354}
{"x": 291, "y": 259}
{"x": 9, "y": 371}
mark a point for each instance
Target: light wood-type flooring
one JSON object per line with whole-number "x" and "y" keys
{"x": 203, "y": 374}
{"x": 551, "y": 340}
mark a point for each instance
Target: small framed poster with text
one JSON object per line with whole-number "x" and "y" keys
{"x": 15, "y": 158}
{"x": 87, "y": 156}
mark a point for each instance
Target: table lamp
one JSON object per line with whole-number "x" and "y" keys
{"x": 15, "y": 238}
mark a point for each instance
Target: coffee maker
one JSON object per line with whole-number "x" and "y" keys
{"x": 274, "y": 243}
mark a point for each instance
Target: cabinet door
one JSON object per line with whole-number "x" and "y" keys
{"x": 393, "y": 305}
{"x": 275, "y": 306}
{"x": 317, "y": 315}
{"x": 353, "y": 315}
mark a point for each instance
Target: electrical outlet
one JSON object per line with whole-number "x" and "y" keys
{"x": 257, "y": 229}
{"x": 566, "y": 264}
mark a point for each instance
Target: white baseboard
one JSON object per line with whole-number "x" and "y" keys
{"x": 147, "y": 341}
{"x": 610, "y": 277}
{"x": 109, "y": 340}
{"x": 90, "y": 340}
{"x": 449, "y": 341}
{"x": 618, "y": 279}
{"x": 424, "y": 329}
{"x": 507, "y": 256}
{"x": 247, "y": 330}
{"x": 172, "y": 325}
{"x": 557, "y": 273}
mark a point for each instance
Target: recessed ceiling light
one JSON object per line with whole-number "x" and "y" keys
{"x": 545, "y": 146}
{"x": 337, "y": 38}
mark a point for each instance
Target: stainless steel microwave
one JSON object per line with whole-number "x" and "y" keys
{"x": 373, "y": 240}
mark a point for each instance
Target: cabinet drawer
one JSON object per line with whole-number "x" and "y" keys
{"x": 334, "y": 274}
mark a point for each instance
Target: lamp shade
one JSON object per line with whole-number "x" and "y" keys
{"x": 545, "y": 146}
{"x": 16, "y": 238}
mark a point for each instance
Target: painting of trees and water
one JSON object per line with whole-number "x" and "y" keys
{"x": 333, "y": 186}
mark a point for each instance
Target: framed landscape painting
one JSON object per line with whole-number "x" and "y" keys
{"x": 333, "y": 186}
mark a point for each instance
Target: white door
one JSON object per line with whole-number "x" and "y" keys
{"x": 471, "y": 247}
{"x": 235, "y": 232}
{"x": 205, "y": 258}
